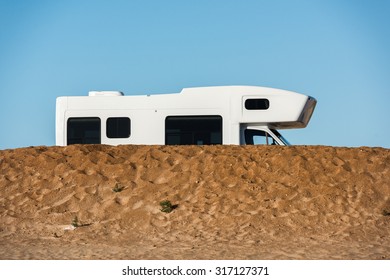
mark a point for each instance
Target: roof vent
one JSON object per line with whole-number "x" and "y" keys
{"x": 105, "y": 93}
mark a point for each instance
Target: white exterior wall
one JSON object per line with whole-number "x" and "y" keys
{"x": 148, "y": 112}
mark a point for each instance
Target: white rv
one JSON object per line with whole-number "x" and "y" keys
{"x": 195, "y": 116}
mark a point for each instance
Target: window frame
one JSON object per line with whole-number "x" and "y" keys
{"x": 253, "y": 104}
{"x": 187, "y": 136}
{"x": 98, "y": 137}
{"x": 117, "y": 129}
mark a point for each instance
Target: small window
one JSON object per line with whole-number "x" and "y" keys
{"x": 193, "y": 130}
{"x": 257, "y": 104}
{"x": 118, "y": 127}
{"x": 83, "y": 131}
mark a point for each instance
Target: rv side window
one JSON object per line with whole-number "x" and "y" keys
{"x": 258, "y": 137}
{"x": 83, "y": 131}
{"x": 257, "y": 104}
{"x": 118, "y": 127}
{"x": 193, "y": 130}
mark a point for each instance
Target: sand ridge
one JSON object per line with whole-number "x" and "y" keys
{"x": 233, "y": 202}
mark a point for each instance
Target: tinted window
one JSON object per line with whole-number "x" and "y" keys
{"x": 118, "y": 128}
{"x": 257, "y": 104}
{"x": 193, "y": 130}
{"x": 83, "y": 131}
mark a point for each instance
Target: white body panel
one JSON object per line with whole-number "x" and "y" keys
{"x": 148, "y": 112}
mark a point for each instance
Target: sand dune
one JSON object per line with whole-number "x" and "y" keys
{"x": 230, "y": 202}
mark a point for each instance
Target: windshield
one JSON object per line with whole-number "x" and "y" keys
{"x": 280, "y": 137}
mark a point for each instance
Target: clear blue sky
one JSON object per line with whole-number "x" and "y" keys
{"x": 336, "y": 50}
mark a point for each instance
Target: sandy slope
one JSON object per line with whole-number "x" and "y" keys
{"x": 233, "y": 202}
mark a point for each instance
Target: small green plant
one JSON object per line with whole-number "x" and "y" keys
{"x": 75, "y": 222}
{"x": 118, "y": 188}
{"x": 167, "y": 207}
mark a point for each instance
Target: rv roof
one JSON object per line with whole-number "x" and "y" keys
{"x": 105, "y": 93}
{"x": 204, "y": 90}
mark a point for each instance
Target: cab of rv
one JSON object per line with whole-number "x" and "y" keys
{"x": 261, "y": 135}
